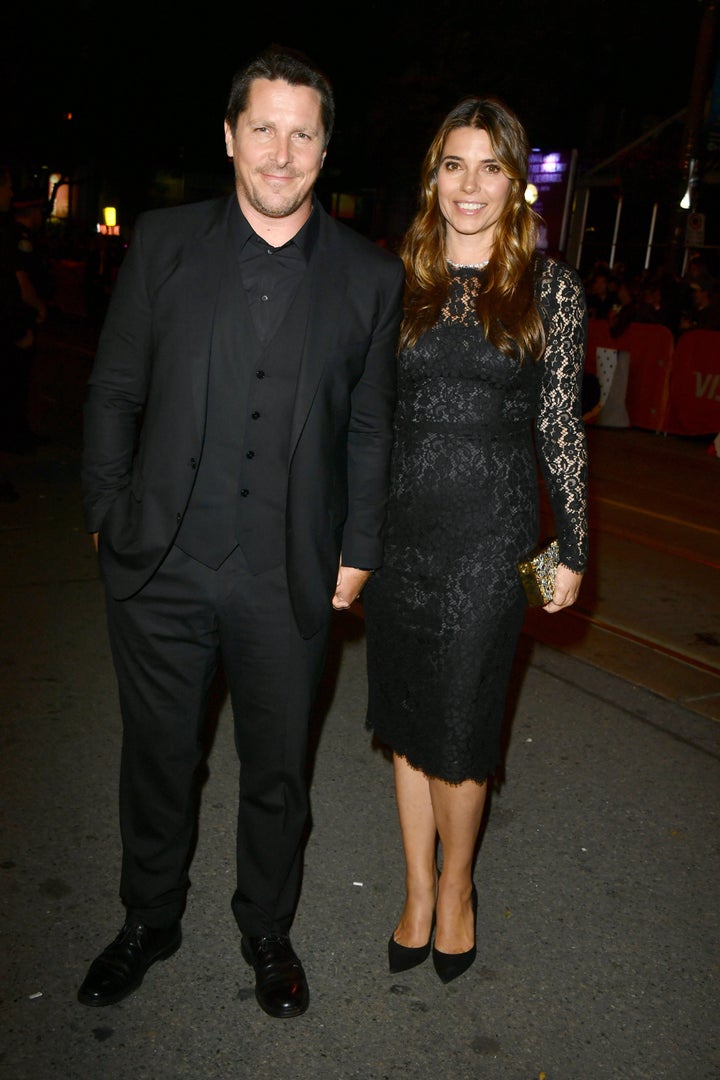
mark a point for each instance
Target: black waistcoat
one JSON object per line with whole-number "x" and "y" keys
{"x": 240, "y": 489}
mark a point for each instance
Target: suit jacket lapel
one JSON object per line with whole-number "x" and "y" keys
{"x": 202, "y": 265}
{"x": 326, "y": 298}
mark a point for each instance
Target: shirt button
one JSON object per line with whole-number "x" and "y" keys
{"x": 260, "y": 374}
{"x": 256, "y": 416}
{"x": 250, "y": 454}
{"x": 244, "y": 492}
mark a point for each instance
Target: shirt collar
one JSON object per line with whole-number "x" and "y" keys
{"x": 304, "y": 239}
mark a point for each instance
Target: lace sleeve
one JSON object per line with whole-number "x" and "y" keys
{"x": 559, "y": 427}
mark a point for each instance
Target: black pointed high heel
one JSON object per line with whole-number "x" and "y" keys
{"x": 402, "y": 958}
{"x": 450, "y": 965}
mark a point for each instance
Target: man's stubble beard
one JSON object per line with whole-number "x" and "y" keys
{"x": 286, "y": 210}
{"x": 274, "y": 210}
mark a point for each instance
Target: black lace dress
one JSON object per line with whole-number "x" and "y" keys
{"x": 444, "y": 613}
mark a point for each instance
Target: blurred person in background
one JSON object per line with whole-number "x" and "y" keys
{"x": 703, "y": 312}
{"x": 17, "y": 338}
{"x": 600, "y": 292}
{"x": 35, "y": 281}
{"x": 663, "y": 294}
{"x": 632, "y": 306}
{"x": 29, "y": 212}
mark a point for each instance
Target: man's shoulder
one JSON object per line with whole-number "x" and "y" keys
{"x": 355, "y": 244}
{"x": 187, "y": 217}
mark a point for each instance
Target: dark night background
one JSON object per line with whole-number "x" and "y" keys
{"x": 147, "y": 83}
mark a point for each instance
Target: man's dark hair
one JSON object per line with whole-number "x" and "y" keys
{"x": 293, "y": 67}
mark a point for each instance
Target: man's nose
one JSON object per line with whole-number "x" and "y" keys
{"x": 283, "y": 149}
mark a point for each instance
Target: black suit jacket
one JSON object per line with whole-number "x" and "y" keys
{"x": 146, "y": 404}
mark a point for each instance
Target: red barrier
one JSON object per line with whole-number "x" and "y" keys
{"x": 694, "y": 398}
{"x": 635, "y": 375}
{"x": 650, "y": 347}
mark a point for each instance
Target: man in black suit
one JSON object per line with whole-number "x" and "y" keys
{"x": 235, "y": 469}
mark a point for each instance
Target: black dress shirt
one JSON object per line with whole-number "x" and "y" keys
{"x": 271, "y": 275}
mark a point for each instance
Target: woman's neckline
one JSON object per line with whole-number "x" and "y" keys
{"x": 468, "y": 266}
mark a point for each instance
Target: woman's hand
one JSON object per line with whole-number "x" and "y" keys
{"x": 567, "y": 587}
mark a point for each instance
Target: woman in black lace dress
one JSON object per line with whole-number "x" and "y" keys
{"x": 490, "y": 365}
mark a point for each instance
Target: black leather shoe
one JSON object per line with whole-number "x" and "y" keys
{"x": 120, "y": 968}
{"x": 280, "y": 984}
{"x": 449, "y": 965}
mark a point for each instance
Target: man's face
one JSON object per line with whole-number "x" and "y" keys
{"x": 277, "y": 148}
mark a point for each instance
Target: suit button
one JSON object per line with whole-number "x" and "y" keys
{"x": 193, "y": 463}
{"x": 260, "y": 374}
{"x": 256, "y": 415}
{"x": 178, "y": 518}
{"x": 250, "y": 454}
{"x": 244, "y": 492}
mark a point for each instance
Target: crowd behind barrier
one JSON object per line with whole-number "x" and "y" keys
{"x": 649, "y": 379}
{"x": 653, "y": 350}
{"x": 656, "y": 370}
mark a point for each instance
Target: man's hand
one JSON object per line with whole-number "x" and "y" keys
{"x": 350, "y": 584}
{"x": 94, "y": 537}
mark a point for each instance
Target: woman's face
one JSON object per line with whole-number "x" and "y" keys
{"x": 472, "y": 189}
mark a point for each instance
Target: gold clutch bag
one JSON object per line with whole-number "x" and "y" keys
{"x": 537, "y": 573}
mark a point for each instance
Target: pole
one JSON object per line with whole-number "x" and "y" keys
{"x": 568, "y": 201}
{"x": 581, "y": 229}
{"x": 704, "y": 54}
{"x": 615, "y": 233}
{"x": 652, "y": 233}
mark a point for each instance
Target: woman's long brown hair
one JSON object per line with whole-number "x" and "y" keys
{"x": 505, "y": 303}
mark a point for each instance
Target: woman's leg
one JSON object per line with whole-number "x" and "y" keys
{"x": 419, "y": 838}
{"x": 458, "y": 810}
